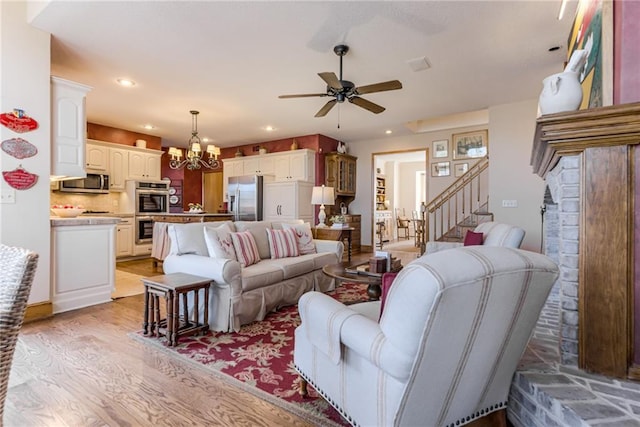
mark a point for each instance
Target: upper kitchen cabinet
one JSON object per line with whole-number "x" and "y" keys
{"x": 297, "y": 165}
{"x": 340, "y": 172}
{"x": 97, "y": 158}
{"x": 259, "y": 165}
{"x": 118, "y": 168}
{"x": 144, "y": 165}
{"x": 68, "y": 128}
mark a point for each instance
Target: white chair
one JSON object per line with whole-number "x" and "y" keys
{"x": 17, "y": 268}
{"x": 495, "y": 234}
{"x": 443, "y": 353}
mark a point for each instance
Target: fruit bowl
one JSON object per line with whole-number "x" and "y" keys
{"x": 68, "y": 212}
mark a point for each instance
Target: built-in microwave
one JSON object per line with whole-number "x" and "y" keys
{"x": 93, "y": 183}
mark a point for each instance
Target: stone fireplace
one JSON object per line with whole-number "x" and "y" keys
{"x": 589, "y": 160}
{"x": 561, "y": 238}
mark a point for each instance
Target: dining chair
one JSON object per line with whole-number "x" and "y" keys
{"x": 17, "y": 269}
{"x": 418, "y": 228}
{"x": 402, "y": 223}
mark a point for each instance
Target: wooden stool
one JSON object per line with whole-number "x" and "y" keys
{"x": 171, "y": 287}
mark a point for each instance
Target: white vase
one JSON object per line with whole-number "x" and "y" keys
{"x": 560, "y": 92}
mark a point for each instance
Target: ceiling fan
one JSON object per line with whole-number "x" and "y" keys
{"x": 342, "y": 90}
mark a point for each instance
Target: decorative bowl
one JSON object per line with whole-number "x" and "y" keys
{"x": 67, "y": 213}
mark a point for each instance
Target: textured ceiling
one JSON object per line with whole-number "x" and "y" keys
{"x": 231, "y": 60}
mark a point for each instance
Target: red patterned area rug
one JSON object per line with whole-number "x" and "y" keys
{"x": 259, "y": 358}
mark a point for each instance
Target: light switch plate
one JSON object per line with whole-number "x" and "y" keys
{"x": 7, "y": 195}
{"x": 509, "y": 203}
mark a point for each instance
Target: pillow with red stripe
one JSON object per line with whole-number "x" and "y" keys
{"x": 246, "y": 249}
{"x": 282, "y": 243}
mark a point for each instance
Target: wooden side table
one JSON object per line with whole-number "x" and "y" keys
{"x": 337, "y": 234}
{"x": 171, "y": 287}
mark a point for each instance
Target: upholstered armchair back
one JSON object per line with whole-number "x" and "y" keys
{"x": 443, "y": 353}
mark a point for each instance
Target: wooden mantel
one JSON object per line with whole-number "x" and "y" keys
{"x": 606, "y": 140}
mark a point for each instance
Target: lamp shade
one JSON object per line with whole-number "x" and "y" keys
{"x": 322, "y": 196}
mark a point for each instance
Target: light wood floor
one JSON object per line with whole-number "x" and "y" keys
{"x": 80, "y": 368}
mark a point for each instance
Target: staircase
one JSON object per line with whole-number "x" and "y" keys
{"x": 460, "y": 207}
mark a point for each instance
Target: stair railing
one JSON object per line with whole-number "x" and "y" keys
{"x": 458, "y": 202}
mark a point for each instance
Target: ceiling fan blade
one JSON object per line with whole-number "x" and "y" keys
{"x": 367, "y": 105}
{"x": 302, "y": 95}
{"x": 378, "y": 87}
{"x": 326, "y": 108}
{"x": 331, "y": 79}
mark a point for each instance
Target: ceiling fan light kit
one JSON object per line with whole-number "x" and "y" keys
{"x": 342, "y": 90}
{"x": 194, "y": 156}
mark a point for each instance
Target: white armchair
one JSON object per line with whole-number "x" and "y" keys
{"x": 495, "y": 234}
{"x": 444, "y": 351}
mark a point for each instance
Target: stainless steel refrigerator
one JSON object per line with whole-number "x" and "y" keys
{"x": 244, "y": 195}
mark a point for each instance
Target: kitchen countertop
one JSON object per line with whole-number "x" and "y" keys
{"x": 191, "y": 214}
{"x": 57, "y": 221}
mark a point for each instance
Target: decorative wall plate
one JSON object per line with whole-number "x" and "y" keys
{"x": 19, "y": 148}
{"x": 18, "y": 121}
{"x": 20, "y": 179}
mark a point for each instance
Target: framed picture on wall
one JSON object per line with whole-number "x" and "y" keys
{"x": 470, "y": 145}
{"x": 440, "y": 148}
{"x": 440, "y": 169}
{"x": 460, "y": 169}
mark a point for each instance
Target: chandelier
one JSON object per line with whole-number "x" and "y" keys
{"x": 194, "y": 155}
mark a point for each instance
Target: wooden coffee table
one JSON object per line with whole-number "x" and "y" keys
{"x": 339, "y": 272}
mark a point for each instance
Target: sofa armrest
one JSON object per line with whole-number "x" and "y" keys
{"x": 441, "y": 246}
{"x": 330, "y": 246}
{"x": 222, "y": 271}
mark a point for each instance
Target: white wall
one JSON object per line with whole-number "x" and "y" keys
{"x": 511, "y": 131}
{"x": 511, "y": 128}
{"x": 24, "y": 79}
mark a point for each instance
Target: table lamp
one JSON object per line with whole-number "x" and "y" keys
{"x": 322, "y": 196}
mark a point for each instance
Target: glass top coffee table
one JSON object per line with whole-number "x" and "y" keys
{"x": 345, "y": 272}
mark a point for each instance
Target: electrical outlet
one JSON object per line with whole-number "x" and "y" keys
{"x": 509, "y": 203}
{"x": 7, "y": 195}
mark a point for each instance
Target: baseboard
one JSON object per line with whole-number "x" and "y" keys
{"x": 39, "y": 311}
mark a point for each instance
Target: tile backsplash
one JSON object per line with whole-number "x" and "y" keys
{"x": 94, "y": 202}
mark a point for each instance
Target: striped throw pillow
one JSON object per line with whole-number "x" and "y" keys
{"x": 246, "y": 249}
{"x": 282, "y": 243}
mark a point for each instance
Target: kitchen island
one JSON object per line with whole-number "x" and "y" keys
{"x": 83, "y": 261}
{"x": 161, "y": 244}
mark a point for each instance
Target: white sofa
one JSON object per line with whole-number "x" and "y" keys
{"x": 494, "y": 234}
{"x": 443, "y": 353}
{"x": 241, "y": 295}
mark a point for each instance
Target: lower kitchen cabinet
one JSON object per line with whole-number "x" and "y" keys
{"x": 83, "y": 264}
{"x": 284, "y": 201}
{"x": 124, "y": 237}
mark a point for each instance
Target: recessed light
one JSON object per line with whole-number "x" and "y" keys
{"x": 126, "y": 82}
{"x": 269, "y": 128}
{"x": 149, "y": 127}
{"x": 388, "y": 131}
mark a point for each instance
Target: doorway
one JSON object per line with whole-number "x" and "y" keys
{"x": 212, "y": 197}
{"x": 400, "y": 184}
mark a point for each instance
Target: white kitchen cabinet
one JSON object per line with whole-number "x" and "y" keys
{"x": 118, "y": 168}
{"x": 144, "y": 165}
{"x": 68, "y": 128}
{"x": 287, "y": 201}
{"x": 259, "y": 165}
{"x": 231, "y": 167}
{"x": 298, "y": 165}
{"x": 124, "y": 237}
{"x": 97, "y": 158}
{"x": 83, "y": 265}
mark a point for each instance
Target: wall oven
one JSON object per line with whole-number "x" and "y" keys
{"x": 143, "y": 229}
{"x": 149, "y": 197}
